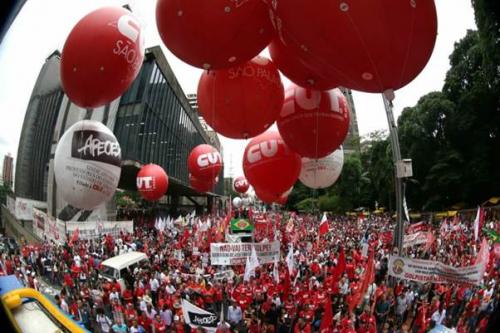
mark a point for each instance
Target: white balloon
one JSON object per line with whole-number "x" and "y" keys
{"x": 87, "y": 164}
{"x": 237, "y": 202}
{"x": 322, "y": 172}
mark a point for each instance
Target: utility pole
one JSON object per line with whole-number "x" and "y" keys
{"x": 402, "y": 169}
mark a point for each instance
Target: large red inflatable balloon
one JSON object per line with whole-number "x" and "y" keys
{"x": 314, "y": 123}
{"x": 204, "y": 162}
{"x": 299, "y": 71}
{"x": 214, "y": 34}
{"x": 266, "y": 196}
{"x": 243, "y": 101}
{"x": 372, "y": 45}
{"x": 270, "y": 165}
{"x": 241, "y": 185}
{"x": 152, "y": 182}
{"x": 202, "y": 185}
{"x": 101, "y": 57}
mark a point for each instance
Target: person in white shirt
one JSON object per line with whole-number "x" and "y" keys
{"x": 103, "y": 321}
{"x": 234, "y": 314}
{"x": 78, "y": 260}
{"x": 439, "y": 315}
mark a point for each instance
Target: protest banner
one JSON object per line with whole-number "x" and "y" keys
{"x": 417, "y": 238}
{"x": 435, "y": 272}
{"x": 236, "y": 253}
{"x": 97, "y": 229}
{"x": 48, "y": 228}
{"x": 195, "y": 317}
{"x": 23, "y": 209}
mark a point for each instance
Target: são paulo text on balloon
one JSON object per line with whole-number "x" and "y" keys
{"x": 269, "y": 164}
{"x": 314, "y": 123}
{"x": 241, "y": 102}
{"x": 87, "y": 164}
{"x": 101, "y": 57}
{"x": 323, "y": 172}
{"x": 214, "y": 34}
{"x": 152, "y": 182}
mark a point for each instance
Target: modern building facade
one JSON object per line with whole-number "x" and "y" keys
{"x": 8, "y": 172}
{"x": 153, "y": 122}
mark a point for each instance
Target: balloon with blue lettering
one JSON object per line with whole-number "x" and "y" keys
{"x": 214, "y": 34}
{"x": 314, "y": 123}
{"x": 205, "y": 162}
{"x": 322, "y": 172}
{"x": 87, "y": 164}
{"x": 152, "y": 182}
{"x": 270, "y": 165}
{"x": 101, "y": 56}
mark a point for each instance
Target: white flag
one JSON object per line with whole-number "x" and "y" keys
{"x": 251, "y": 264}
{"x": 290, "y": 262}
{"x": 405, "y": 207}
{"x": 478, "y": 222}
{"x": 157, "y": 224}
{"x": 276, "y": 273}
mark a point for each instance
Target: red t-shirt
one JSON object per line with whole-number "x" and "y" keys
{"x": 159, "y": 326}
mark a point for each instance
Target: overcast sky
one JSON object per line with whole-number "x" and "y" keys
{"x": 42, "y": 26}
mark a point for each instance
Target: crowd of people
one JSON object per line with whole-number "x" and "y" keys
{"x": 277, "y": 298}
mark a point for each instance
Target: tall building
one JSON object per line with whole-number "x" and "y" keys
{"x": 7, "y": 174}
{"x": 38, "y": 131}
{"x": 153, "y": 122}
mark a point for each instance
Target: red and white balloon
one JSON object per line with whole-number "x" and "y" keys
{"x": 270, "y": 165}
{"x": 241, "y": 185}
{"x": 101, "y": 57}
{"x": 205, "y": 162}
{"x": 314, "y": 123}
{"x": 241, "y": 102}
{"x": 214, "y": 34}
{"x": 370, "y": 45}
{"x": 87, "y": 164}
{"x": 152, "y": 182}
{"x": 323, "y": 172}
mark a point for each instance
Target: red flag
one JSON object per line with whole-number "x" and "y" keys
{"x": 340, "y": 268}
{"x": 74, "y": 237}
{"x": 323, "y": 226}
{"x": 327, "y": 320}
{"x": 287, "y": 284}
{"x": 430, "y": 241}
{"x": 368, "y": 278}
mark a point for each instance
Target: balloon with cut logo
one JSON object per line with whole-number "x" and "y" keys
{"x": 323, "y": 172}
{"x": 87, "y": 164}
{"x": 241, "y": 185}
{"x": 204, "y": 162}
{"x": 243, "y": 101}
{"x": 101, "y": 57}
{"x": 152, "y": 182}
{"x": 372, "y": 45}
{"x": 237, "y": 202}
{"x": 214, "y": 34}
{"x": 300, "y": 71}
{"x": 314, "y": 123}
{"x": 202, "y": 185}
{"x": 270, "y": 165}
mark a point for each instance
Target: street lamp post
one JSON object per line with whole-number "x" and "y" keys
{"x": 402, "y": 169}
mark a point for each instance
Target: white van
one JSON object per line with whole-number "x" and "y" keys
{"x": 114, "y": 268}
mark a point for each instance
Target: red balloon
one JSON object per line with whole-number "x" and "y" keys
{"x": 265, "y": 196}
{"x": 241, "y": 185}
{"x": 269, "y": 164}
{"x": 299, "y": 71}
{"x": 152, "y": 182}
{"x": 202, "y": 185}
{"x": 204, "y": 162}
{"x": 372, "y": 45}
{"x": 214, "y": 34}
{"x": 282, "y": 200}
{"x": 101, "y": 57}
{"x": 314, "y": 123}
{"x": 243, "y": 101}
